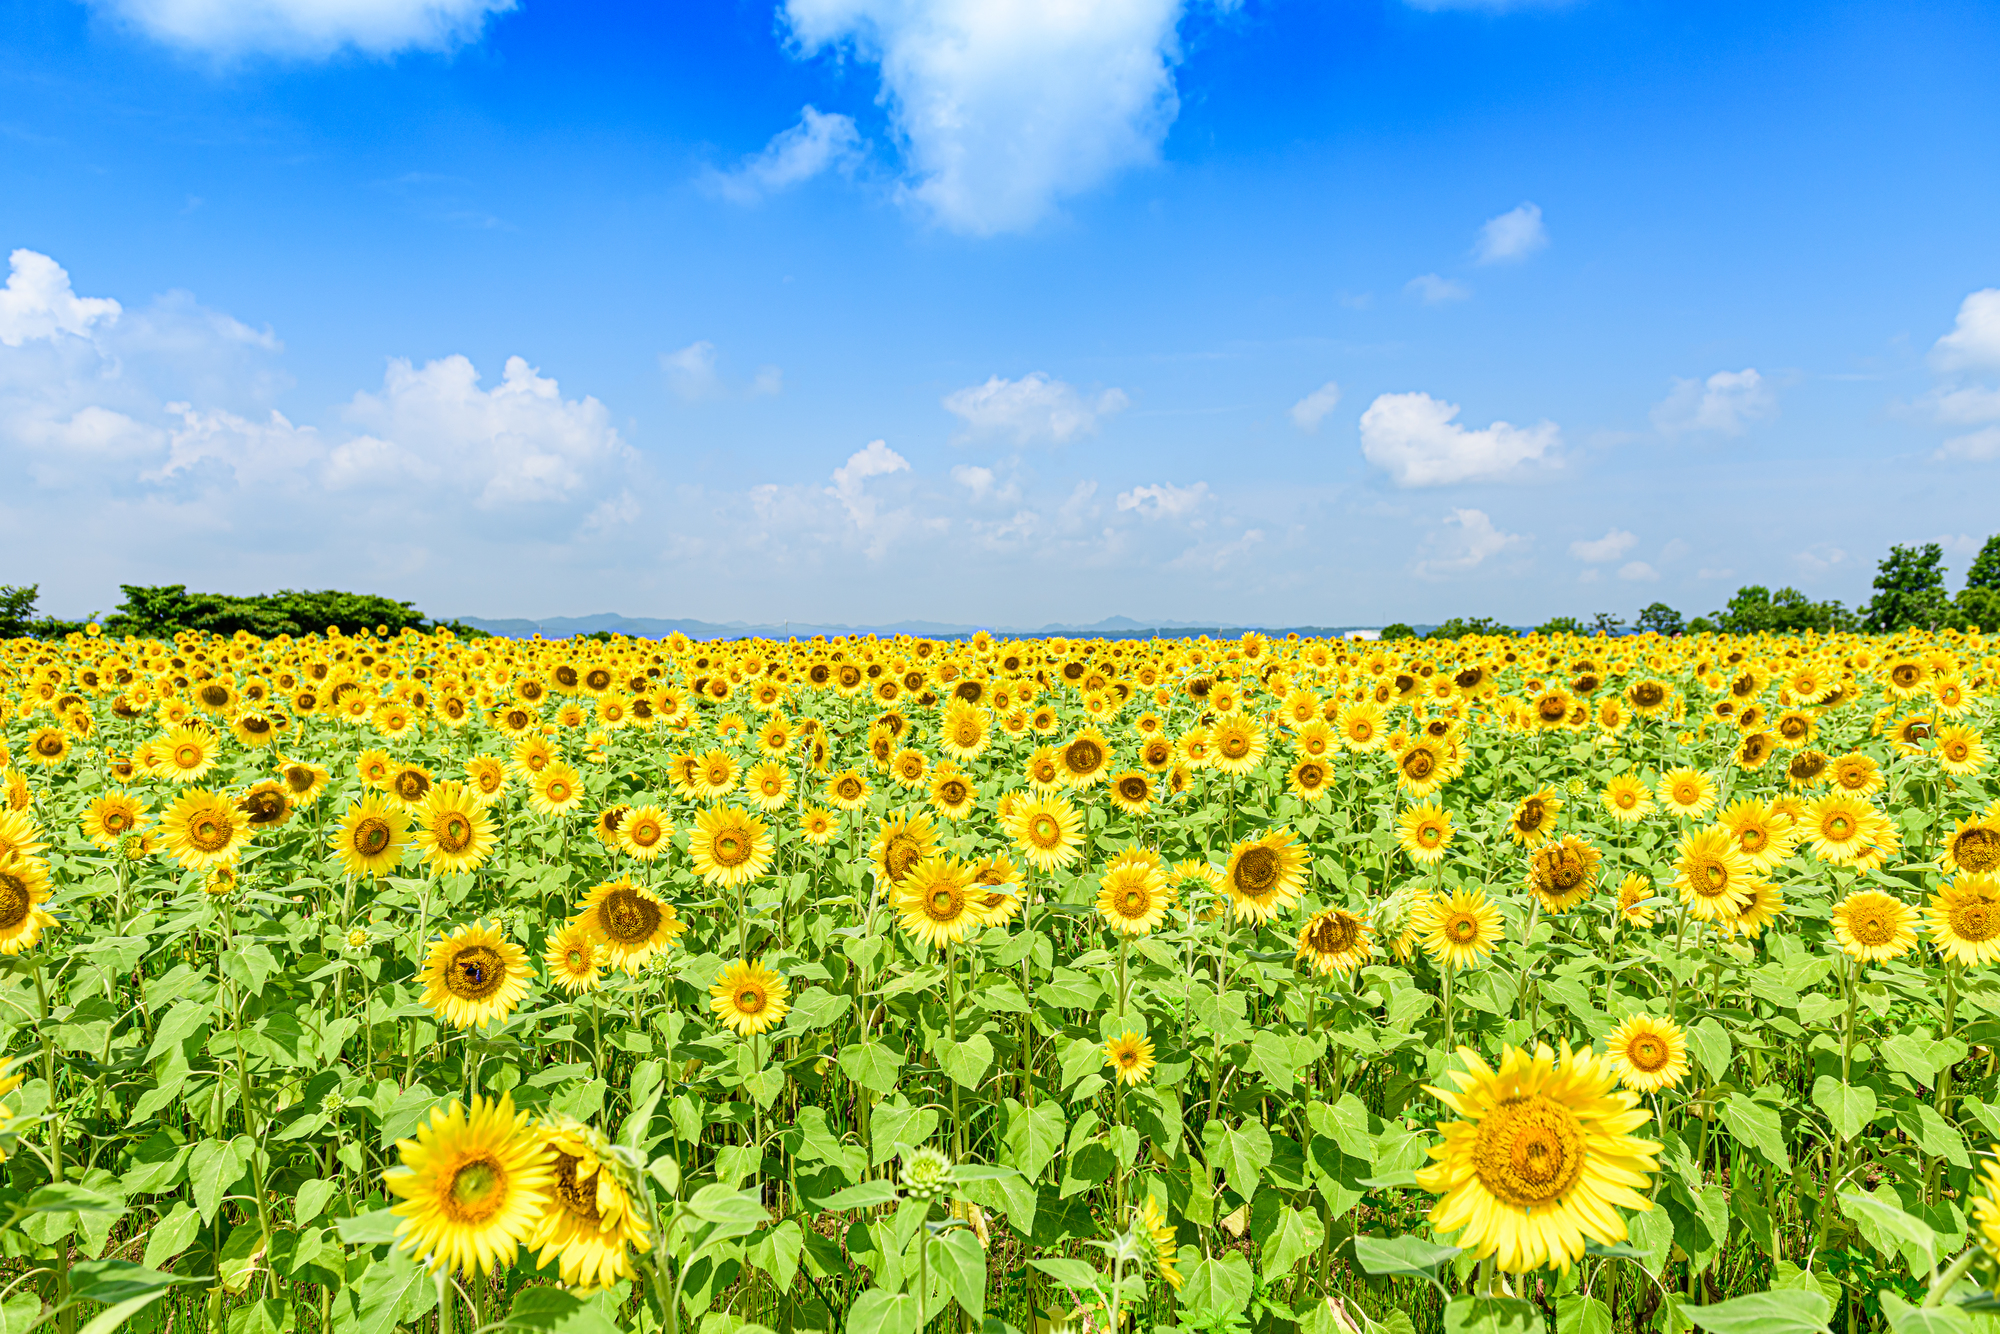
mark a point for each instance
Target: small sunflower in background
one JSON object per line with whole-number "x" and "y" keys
{"x": 1131, "y": 1055}
{"x": 1135, "y": 893}
{"x": 1648, "y": 1053}
{"x": 1458, "y": 930}
{"x": 574, "y": 958}
{"x": 370, "y": 838}
{"x": 645, "y": 833}
{"x": 1687, "y": 793}
{"x": 1425, "y": 833}
{"x": 1335, "y": 941}
{"x": 749, "y": 998}
{"x": 729, "y": 846}
{"x": 1627, "y": 799}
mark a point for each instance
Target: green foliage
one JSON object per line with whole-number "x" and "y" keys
{"x": 1562, "y": 625}
{"x": 1398, "y": 630}
{"x": 18, "y": 619}
{"x": 1985, "y": 571}
{"x": 1458, "y": 627}
{"x": 1660, "y": 619}
{"x": 164, "y": 610}
{"x": 1756, "y": 610}
{"x": 1909, "y": 591}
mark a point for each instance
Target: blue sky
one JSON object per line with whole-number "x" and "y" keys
{"x": 1003, "y": 312}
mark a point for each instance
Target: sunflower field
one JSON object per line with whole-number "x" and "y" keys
{"x": 1495, "y": 986}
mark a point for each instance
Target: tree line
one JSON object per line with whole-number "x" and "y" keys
{"x": 1909, "y": 593}
{"x": 164, "y": 610}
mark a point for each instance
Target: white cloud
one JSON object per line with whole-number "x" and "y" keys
{"x": 1675, "y": 549}
{"x": 1606, "y": 548}
{"x": 1309, "y": 411}
{"x": 38, "y": 302}
{"x": 979, "y": 481}
{"x": 1820, "y": 557}
{"x": 1968, "y": 405}
{"x": 1638, "y": 571}
{"x": 308, "y": 28}
{"x": 1414, "y": 439}
{"x": 820, "y": 142}
{"x": 691, "y": 371}
{"x": 1726, "y": 402}
{"x": 1974, "y": 341}
{"x": 1513, "y": 236}
{"x": 1165, "y": 500}
{"x": 1468, "y": 539}
{"x": 849, "y": 479}
{"x": 612, "y": 513}
{"x": 1004, "y": 109}
{"x": 1960, "y": 544}
{"x": 1978, "y": 447}
{"x": 1435, "y": 291}
{"x": 1033, "y": 409}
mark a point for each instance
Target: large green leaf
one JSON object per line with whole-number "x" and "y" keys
{"x": 1792, "y": 1311}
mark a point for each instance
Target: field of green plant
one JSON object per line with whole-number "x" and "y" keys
{"x": 366, "y": 982}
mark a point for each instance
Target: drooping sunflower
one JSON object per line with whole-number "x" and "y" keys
{"x": 729, "y": 846}
{"x": 1086, "y": 758}
{"x": 591, "y": 1218}
{"x": 574, "y": 958}
{"x": 630, "y": 921}
{"x": 1627, "y": 799}
{"x": 1335, "y": 941}
{"x": 24, "y": 888}
{"x": 112, "y": 816}
{"x": 1542, "y": 1161}
{"x": 899, "y": 844}
{"x": 1131, "y": 1055}
{"x": 1687, "y": 793}
{"x": 749, "y": 998}
{"x": 1648, "y": 1053}
{"x": 1153, "y": 1226}
{"x": 1563, "y": 874}
{"x": 937, "y": 901}
{"x": 1873, "y": 926}
{"x": 370, "y": 838}
{"x": 645, "y": 832}
{"x": 474, "y": 976}
{"x": 1265, "y": 874}
{"x": 1712, "y": 874}
{"x": 453, "y": 831}
{"x": 186, "y": 753}
{"x": 556, "y": 790}
{"x": 1534, "y": 818}
{"x": 267, "y": 805}
{"x": 1425, "y": 833}
{"x": 1633, "y": 893}
{"x": 1135, "y": 894}
{"x": 1048, "y": 831}
{"x": 203, "y": 828}
{"x": 1460, "y": 929}
{"x": 1132, "y": 792}
{"x": 472, "y": 1187}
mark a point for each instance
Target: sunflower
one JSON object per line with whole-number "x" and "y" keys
{"x": 847, "y": 790}
{"x": 1336, "y": 941}
{"x": 1874, "y": 926}
{"x": 749, "y": 998}
{"x": 1857, "y": 774}
{"x": 1135, "y": 895}
{"x": 964, "y": 731}
{"x": 729, "y": 846}
{"x": 900, "y": 843}
{"x": 203, "y": 828}
{"x": 112, "y": 816}
{"x": 531, "y": 755}
{"x": 49, "y": 746}
{"x": 1763, "y": 904}
{"x": 453, "y": 831}
{"x": 1687, "y": 793}
{"x": 186, "y": 753}
{"x": 1153, "y": 1226}
{"x": 556, "y": 790}
{"x": 375, "y": 768}
{"x": 1808, "y": 768}
{"x": 938, "y": 902}
{"x": 1237, "y": 745}
{"x": 1959, "y": 751}
{"x": 1648, "y": 1053}
{"x": 1712, "y": 874}
{"x": 1633, "y": 892}
{"x": 591, "y": 1218}
{"x": 1422, "y": 768}
{"x": 474, "y": 976}
{"x": 1424, "y": 832}
{"x": 370, "y": 838}
{"x": 1048, "y": 831}
{"x": 1974, "y": 846}
{"x": 819, "y": 826}
{"x": 644, "y": 833}
{"x": 1001, "y": 880}
{"x": 1265, "y": 874}
{"x": 24, "y": 888}
{"x": 1459, "y": 930}
{"x": 1196, "y": 747}
{"x": 1132, "y": 792}
{"x": 768, "y": 785}
{"x": 1986, "y": 1204}
{"x": 1838, "y": 827}
{"x": 952, "y": 793}
{"x": 574, "y": 958}
{"x": 303, "y": 780}
{"x": 222, "y": 879}
{"x": 1086, "y": 758}
{"x": 1534, "y": 818}
{"x": 715, "y": 774}
{"x": 1627, "y": 799}
{"x": 1131, "y": 1055}
{"x": 1764, "y": 835}
{"x": 267, "y": 805}
{"x": 1308, "y": 779}
{"x": 1361, "y": 726}
{"x": 1563, "y": 874}
{"x": 1543, "y": 1159}
{"x": 18, "y": 835}
{"x": 472, "y": 1187}
{"x": 1964, "y": 920}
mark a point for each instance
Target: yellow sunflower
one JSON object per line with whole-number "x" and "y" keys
{"x": 1534, "y": 818}
{"x": 1048, "y": 831}
{"x": 1873, "y": 926}
{"x": 938, "y": 902}
{"x": 1712, "y": 874}
{"x": 1687, "y": 793}
{"x": 645, "y": 832}
{"x": 749, "y": 998}
{"x": 202, "y": 829}
{"x": 899, "y": 844}
{"x": 370, "y": 838}
{"x": 112, "y": 816}
{"x": 1422, "y": 768}
{"x": 1633, "y": 892}
{"x": 591, "y": 1218}
{"x": 1627, "y": 799}
{"x": 186, "y": 753}
{"x": 1542, "y": 1161}
{"x": 1424, "y": 832}
{"x": 1761, "y": 831}
{"x": 1458, "y": 930}
{"x": 1563, "y": 874}
{"x": 1837, "y": 825}
{"x": 24, "y": 888}
{"x": 1763, "y": 904}
{"x": 472, "y": 1187}
{"x": 1336, "y": 941}
{"x": 574, "y": 958}
{"x": 1309, "y": 779}
{"x": 1131, "y": 1055}
{"x": 768, "y": 785}
{"x": 1974, "y": 846}
{"x": 630, "y": 922}
{"x": 1857, "y": 774}
{"x": 1265, "y": 874}
{"x": 1086, "y": 758}
{"x": 1237, "y": 745}
{"x": 1135, "y": 893}
{"x": 486, "y": 778}
{"x": 453, "y": 831}
{"x": 474, "y": 976}
{"x": 303, "y": 780}
{"x": 847, "y": 790}
{"x": 1959, "y": 750}
{"x": 556, "y": 790}
{"x": 1132, "y": 792}
{"x": 819, "y": 825}
{"x": 1648, "y": 1053}
{"x": 729, "y": 847}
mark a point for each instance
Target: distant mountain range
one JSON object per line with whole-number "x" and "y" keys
{"x": 646, "y": 627}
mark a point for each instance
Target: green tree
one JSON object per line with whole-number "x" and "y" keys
{"x": 1604, "y": 623}
{"x": 164, "y": 610}
{"x": 1562, "y": 625}
{"x": 1660, "y": 619}
{"x": 1398, "y": 630}
{"x": 17, "y": 608}
{"x": 1979, "y": 601}
{"x": 1458, "y": 627}
{"x": 1756, "y": 610}
{"x": 1985, "y": 571}
{"x": 1909, "y": 591}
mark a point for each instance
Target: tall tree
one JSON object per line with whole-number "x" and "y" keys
{"x": 1909, "y": 591}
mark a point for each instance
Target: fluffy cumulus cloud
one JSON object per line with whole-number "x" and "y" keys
{"x": 1513, "y": 236}
{"x": 1599, "y": 550}
{"x": 819, "y": 143}
{"x": 1311, "y": 410}
{"x": 1003, "y": 109}
{"x": 307, "y": 28}
{"x": 1465, "y": 540}
{"x": 1032, "y": 410}
{"x": 1726, "y": 403}
{"x": 1968, "y": 360}
{"x": 1164, "y": 500}
{"x": 1415, "y": 439}
{"x": 38, "y": 302}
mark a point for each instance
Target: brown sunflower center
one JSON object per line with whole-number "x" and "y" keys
{"x": 1132, "y": 789}
{"x": 899, "y": 855}
{"x": 1462, "y": 928}
{"x": 629, "y": 917}
{"x": 454, "y": 834}
{"x": 1083, "y": 756}
{"x": 1333, "y": 933}
{"x": 1976, "y": 849}
{"x": 750, "y": 1000}
{"x": 210, "y": 831}
{"x": 1256, "y": 872}
{"x": 1529, "y": 1151}
{"x": 578, "y": 1196}
{"x": 1871, "y": 927}
{"x": 372, "y": 836}
{"x": 1648, "y": 1053}
{"x": 475, "y": 972}
{"x": 15, "y": 900}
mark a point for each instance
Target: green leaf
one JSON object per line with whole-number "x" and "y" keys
{"x": 867, "y": 1195}
{"x": 20, "y": 1312}
{"x": 1402, "y": 1257}
{"x": 394, "y": 1291}
{"x": 897, "y": 1122}
{"x": 1891, "y": 1231}
{"x": 1756, "y": 1125}
{"x": 1847, "y": 1107}
{"x": 112, "y": 1320}
{"x": 242, "y": 1256}
{"x": 966, "y": 1060}
{"x": 558, "y": 1312}
{"x": 1073, "y": 1274}
{"x": 731, "y": 1213}
{"x": 1219, "y": 1285}
{"x": 879, "y": 1312}
{"x": 171, "y": 1235}
{"x": 182, "y": 1021}
{"x": 1789, "y": 1312}
{"x": 270, "y": 1315}
{"x": 1577, "y": 1314}
{"x": 312, "y": 1198}
{"x": 1653, "y": 1233}
{"x": 1710, "y": 1041}
{"x": 1033, "y": 1135}
{"x": 1491, "y": 1315}
{"x": 1295, "y": 1234}
{"x": 1907, "y": 1319}
{"x": 369, "y": 1229}
{"x": 871, "y": 1065}
{"x": 63, "y": 1198}
{"x": 1241, "y": 1152}
{"x": 112, "y": 1281}
{"x": 777, "y": 1252}
{"x": 962, "y": 1260}
{"x": 1080, "y": 1058}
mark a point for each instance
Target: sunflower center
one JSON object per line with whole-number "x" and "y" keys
{"x": 1977, "y": 849}
{"x": 1257, "y": 871}
{"x": 629, "y": 917}
{"x": 1975, "y": 921}
{"x": 750, "y": 1000}
{"x": 643, "y": 833}
{"x": 943, "y": 905}
{"x": 1711, "y": 878}
{"x": 478, "y": 1189}
{"x": 411, "y": 785}
{"x": 1462, "y": 928}
{"x": 51, "y": 744}
{"x": 1647, "y": 1053}
{"x": 579, "y": 1197}
{"x": 210, "y": 831}
{"x": 475, "y": 972}
{"x": 298, "y": 778}
{"x": 1529, "y": 1151}
{"x": 455, "y": 834}
{"x": 117, "y": 822}
{"x": 953, "y": 793}
{"x": 1133, "y": 901}
{"x": 1133, "y": 789}
{"x": 1871, "y": 928}
{"x": 372, "y": 836}
{"x": 1083, "y": 756}
{"x": 1531, "y": 817}
{"x": 187, "y": 756}
{"x": 1840, "y": 828}
{"x": 1334, "y": 933}
{"x": 14, "y": 900}
{"x": 899, "y": 856}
